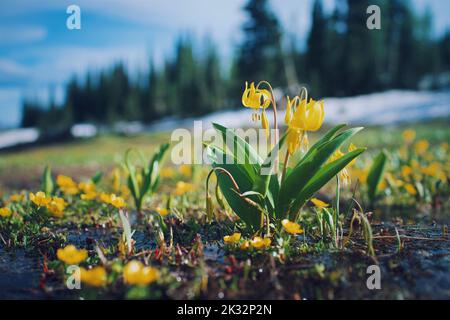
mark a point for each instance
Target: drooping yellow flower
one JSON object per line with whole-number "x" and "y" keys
{"x": 40, "y": 199}
{"x": 185, "y": 170}
{"x": 183, "y": 187}
{"x": 5, "y": 212}
{"x": 319, "y": 203}
{"x": 245, "y": 245}
{"x": 260, "y": 243}
{"x": 125, "y": 192}
{"x": 87, "y": 187}
{"x": 135, "y": 273}
{"x": 162, "y": 211}
{"x": 95, "y": 277}
{"x": 235, "y": 237}
{"x": 291, "y": 227}
{"x": 410, "y": 189}
{"x": 71, "y": 255}
{"x": 255, "y": 98}
{"x": 421, "y": 146}
{"x": 167, "y": 172}
{"x": 67, "y": 185}
{"x": 344, "y": 173}
{"x": 408, "y": 135}
{"x": 57, "y": 207}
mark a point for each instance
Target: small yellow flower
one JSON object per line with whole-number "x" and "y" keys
{"x": 162, "y": 211}
{"x": 57, "y": 207}
{"x": 167, "y": 172}
{"x": 255, "y": 98}
{"x": 235, "y": 237}
{"x": 116, "y": 179}
{"x": 245, "y": 245}
{"x": 185, "y": 170}
{"x": 95, "y": 277}
{"x": 71, "y": 255}
{"x": 183, "y": 187}
{"x": 408, "y": 135}
{"x": 260, "y": 243}
{"x": 406, "y": 171}
{"x": 17, "y": 197}
{"x": 319, "y": 203}
{"x": 40, "y": 199}
{"x": 291, "y": 227}
{"x": 91, "y": 195}
{"x": 67, "y": 185}
{"x": 5, "y": 212}
{"x": 87, "y": 187}
{"x": 135, "y": 273}
{"x": 410, "y": 189}
{"x": 117, "y": 202}
{"x": 421, "y": 146}
{"x": 125, "y": 192}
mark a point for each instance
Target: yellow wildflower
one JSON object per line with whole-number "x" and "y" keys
{"x": 183, "y": 187}
{"x": 87, "y": 187}
{"x": 319, "y": 203}
{"x": 91, "y": 195}
{"x": 5, "y": 212}
{"x": 421, "y": 146}
{"x": 167, "y": 172}
{"x": 410, "y": 189}
{"x": 245, "y": 245}
{"x": 116, "y": 179}
{"x": 162, "y": 211}
{"x": 71, "y": 255}
{"x": 125, "y": 192}
{"x": 67, "y": 185}
{"x": 291, "y": 227}
{"x": 95, "y": 277}
{"x": 57, "y": 207}
{"x": 260, "y": 243}
{"x": 255, "y": 98}
{"x": 408, "y": 135}
{"x": 135, "y": 273}
{"x": 116, "y": 201}
{"x": 406, "y": 171}
{"x": 433, "y": 169}
{"x": 235, "y": 237}
{"x": 185, "y": 170}
{"x": 40, "y": 199}
{"x": 17, "y": 197}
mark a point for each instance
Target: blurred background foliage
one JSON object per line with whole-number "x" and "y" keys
{"x": 341, "y": 58}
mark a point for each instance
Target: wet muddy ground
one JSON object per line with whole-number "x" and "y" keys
{"x": 416, "y": 268}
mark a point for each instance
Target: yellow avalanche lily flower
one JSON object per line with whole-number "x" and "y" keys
{"x": 408, "y": 135}
{"x": 91, "y": 195}
{"x": 185, "y": 170}
{"x": 260, "y": 243}
{"x": 291, "y": 227}
{"x": 319, "y": 203}
{"x": 421, "y": 146}
{"x": 235, "y": 237}
{"x": 40, "y": 199}
{"x": 301, "y": 117}
{"x": 87, "y": 187}
{"x": 71, "y": 255}
{"x": 113, "y": 200}
{"x": 135, "y": 273}
{"x": 5, "y": 212}
{"x": 95, "y": 277}
{"x": 410, "y": 189}
{"x": 255, "y": 98}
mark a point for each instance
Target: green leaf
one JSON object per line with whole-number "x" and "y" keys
{"x": 47, "y": 181}
{"x": 309, "y": 166}
{"x": 97, "y": 177}
{"x": 376, "y": 174}
{"x": 325, "y": 174}
{"x": 248, "y": 213}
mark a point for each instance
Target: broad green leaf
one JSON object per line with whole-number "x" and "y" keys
{"x": 301, "y": 174}
{"x": 325, "y": 174}
{"x": 97, "y": 177}
{"x": 376, "y": 174}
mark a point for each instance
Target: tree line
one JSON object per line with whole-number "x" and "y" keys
{"x": 342, "y": 57}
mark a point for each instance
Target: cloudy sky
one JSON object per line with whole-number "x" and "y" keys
{"x": 38, "y": 52}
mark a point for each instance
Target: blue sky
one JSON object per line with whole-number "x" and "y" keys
{"x": 38, "y": 52}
